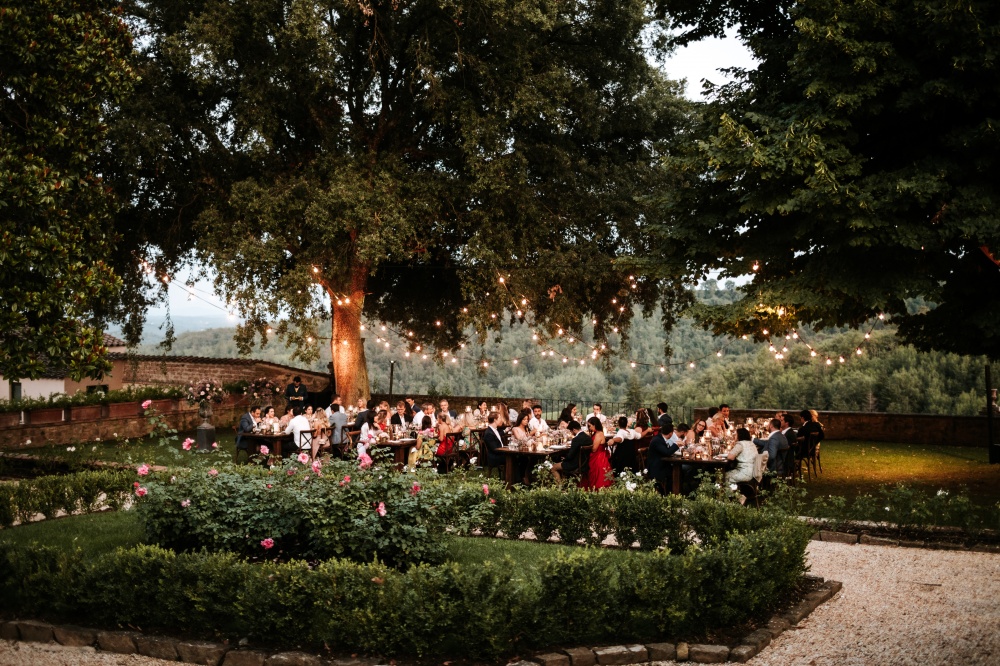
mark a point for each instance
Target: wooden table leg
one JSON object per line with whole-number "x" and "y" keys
{"x": 509, "y": 470}
{"x": 676, "y": 469}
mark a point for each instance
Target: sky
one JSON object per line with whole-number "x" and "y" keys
{"x": 695, "y": 62}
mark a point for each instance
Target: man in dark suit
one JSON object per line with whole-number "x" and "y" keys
{"x": 493, "y": 441}
{"x": 775, "y": 445}
{"x": 443, "y": 404}
{"x": 661, "y": 447}
{"x": 570, "y": 465}
{"x": 296, "y": 393}
{"x": 248, "y": 422}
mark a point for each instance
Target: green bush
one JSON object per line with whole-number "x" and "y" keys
{"x": 49, "y": 495}
{"x": 494, "y": 608}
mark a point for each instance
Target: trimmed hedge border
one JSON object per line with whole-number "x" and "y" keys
{"x": 216, "y": 654}
{"x": 82, "y": 492}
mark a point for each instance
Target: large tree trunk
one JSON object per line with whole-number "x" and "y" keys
{"x": 349, "y": 366}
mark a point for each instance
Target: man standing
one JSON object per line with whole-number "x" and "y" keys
{"x": 296, "y": 393}
{"x": 537, "y": 425}
{"x": 248, "y": 423}
{"x": 661, "y": 412}
{"x": 775, "y": 444}
{"x": 661, "y": 447}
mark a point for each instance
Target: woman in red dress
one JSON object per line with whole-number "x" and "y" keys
{"x": 599, "y": 467}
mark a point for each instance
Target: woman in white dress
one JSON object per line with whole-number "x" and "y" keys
{"x": 744, "y": 453}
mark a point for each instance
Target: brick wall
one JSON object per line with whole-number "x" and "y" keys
{"x": 153, "y": 370}
{"x": 183, "y": 418}
{"x": 881, "y": 427}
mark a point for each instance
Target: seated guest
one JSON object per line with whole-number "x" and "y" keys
{"x": 519, "y": 432}
{"x": 713, "y": 424}
{"x": 445, "y": 426}
{"x": 362, "y": 416}
{"x": 661, "y": 447}
{"x": 321, "y": 432}
{"x": 597, "y": 413}
{"x": 427, "y": 410}
{"x": 511, "y": 413}
{"x": 774, "y": 444}
{"x": 642, "y": 427}
{"x": 248, "y": 424}
{"x": 399, "y": 418}
{"x": 493, "y": 441}
{"x": 537, "y": 425}
{"x": 724, "y": 416}
{"x": 482, "y": 411}
{"x": 289, "y": 413}
{"x": 369, "y": 430}
{"x": 623, "y": 447}
{"x": 503, "y": 415}
{"x": 270, "y": 418}
{"x": 296, "y": 426}
{"x": 664, "y": 420}
{"x": 566, "y": 415}
{"x": 443, "y": 405}
{"x": 337, "y": 422}
{"x": 661, "y": 409}
{"x": 810, "y": 425}
{"x": 411, "y": 409}
{"x": 336, "y": 405}
{"x": 682, "y": 430}
{"x": 699, "y": 430}
{"x": 788, "y": 428}
{"x": 570, "y": 465}
{"x": 744, "y": 453}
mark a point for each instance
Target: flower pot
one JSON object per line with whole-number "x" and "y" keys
{"x": 164, "y": 406}
{"x": 10, "y": 419}
{"x": 85, "y": 412}
{"x": 117, "y": 410}
{"x": 46, "y": 415}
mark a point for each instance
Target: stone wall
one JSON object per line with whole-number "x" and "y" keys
{"x": 158, "y": 370}
{"x": 882, "y": 427}
{"x": 182, "y": 417}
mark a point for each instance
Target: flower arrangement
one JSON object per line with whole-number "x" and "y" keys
{"x": 262, "y": 388}
{"x": 207, "y": 390}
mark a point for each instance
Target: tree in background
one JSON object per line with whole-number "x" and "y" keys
{"x": 64, "y": 64}
{"x": 397, "y": 159}
{"x": 853, "y": 169}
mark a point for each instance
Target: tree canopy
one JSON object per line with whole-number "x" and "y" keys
{"x": 397, "y": 159}
{"x": 63, "y": 64}
{"x": 853, "y": 169}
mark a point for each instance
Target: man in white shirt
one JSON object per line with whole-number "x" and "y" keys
{"x": 418, "y": 418}
{"x": 335, "y": 406}
{"x": 537, "y": 425}
{"x": 296, "y": 427}
{"x": 597, "y": 413}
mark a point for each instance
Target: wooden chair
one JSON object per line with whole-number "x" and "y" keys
{"x": 811, "y": 454}
{"x": 484, "y": 460}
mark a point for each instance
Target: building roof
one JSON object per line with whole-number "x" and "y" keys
{"x": 112, "y": 341}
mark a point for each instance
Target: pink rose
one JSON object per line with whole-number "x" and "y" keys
{"x": 347, "y": 479}
{"x": 380, "y": 509}
{"x": 135, "y": 485}
{"x": 264, "y": 450}
{"x": 492, "y": 501}
{"x": 267, "y": 543}
{"x": 303, "y": 458}
{"x": 415, "y": 489}
{"x": 187, "y": 444}
{"x": 146, "y": 404}
{"x": 215, "y": 445}
{"x": 213, "y": 472}
{"x": 486, "y": 490}
{"x": 316, "y": 467}
{"x": 140, "y": 492}
{"x": 291, "y": 472}
{"x": 364, "y": 461}
{"x": 269, "y": 486}
{"x": 142, "y": 470}
{"x": 186, "y": 503}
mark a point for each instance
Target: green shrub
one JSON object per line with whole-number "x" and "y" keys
{"x": 82, "y": 491}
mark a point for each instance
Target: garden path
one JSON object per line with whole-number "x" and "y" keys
{"x": 899, "y": 606}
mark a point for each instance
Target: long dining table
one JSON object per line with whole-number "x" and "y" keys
{"x": 510, "y": 455}
{"x": 677, "y": 461}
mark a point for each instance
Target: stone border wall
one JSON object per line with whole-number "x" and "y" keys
{"x": 882, "y": 427}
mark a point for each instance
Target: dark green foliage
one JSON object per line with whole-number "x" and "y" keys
{"x": 64, "y": 64}
{"x": 70, "y": 493}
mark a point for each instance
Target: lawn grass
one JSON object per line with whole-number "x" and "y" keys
{"x": 93, "y": 533}
{"x": 852, "y": 468}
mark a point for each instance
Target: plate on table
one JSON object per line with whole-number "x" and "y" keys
{"x": 721, "y": 456}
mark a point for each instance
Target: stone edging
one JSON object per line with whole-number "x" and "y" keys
{"x": 222, "y": 654}
{"x": 868, "y": 540}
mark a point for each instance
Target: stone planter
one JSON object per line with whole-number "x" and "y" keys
{"x": 164, "y": 406}
{"x": 117, "y": 410}
{"x": 85, "y": 412}
{"x": 46, "y": 415}
{"x": 10, "y": 419}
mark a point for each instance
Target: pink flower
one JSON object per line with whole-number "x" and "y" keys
{"x": 486, "y": 489}
{"x": 267, "y": 544}
{"x": 187, "y": 444}
{"x": 215, "y": 445}
{"x": 303, "y": 458}
{"x": 291, "y": 472}
{"x": 186, "y": 503}
{"x": 415, "y": 489}
{"x": 142, "y": 470}
{"x": 492, "y": 501}
{"x": 264, "y": 450}
{"x": 269, "y": 486}
{"x": 213, "y": 472}
{"x": 347, "y": 479}
{"x": 380, "y": 510}
{"x": 316, "y": 467}
{"x": 364, "y": 461}
{"x": 135, "y": 485}
{"x": 140, "y": 492}
{"x": 146, "y": 404}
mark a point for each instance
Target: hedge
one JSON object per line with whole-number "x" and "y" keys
{"x": 586, "y": 596}
{"x": 83, "y": 491}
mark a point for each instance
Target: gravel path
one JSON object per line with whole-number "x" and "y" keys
{"x": 899, "y": 606}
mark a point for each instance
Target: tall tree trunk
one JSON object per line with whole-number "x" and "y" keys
{"x": 349, "y": 366}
